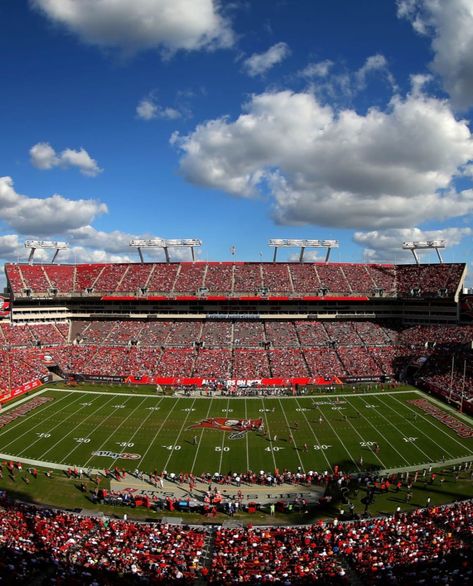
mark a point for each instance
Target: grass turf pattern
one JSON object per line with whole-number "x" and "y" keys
{"x": 313, "y": 433}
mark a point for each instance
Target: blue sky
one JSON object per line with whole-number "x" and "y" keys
{"x": 235, "y": 122}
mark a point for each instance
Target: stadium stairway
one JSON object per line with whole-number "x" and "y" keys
{"x": 207, "y": 555}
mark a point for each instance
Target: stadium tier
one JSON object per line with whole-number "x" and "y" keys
{"x": 230, "y": 280}
{"x": 231, "y": 323}
{"x": 427, "y": 546}
{"x": 197, "y": 351}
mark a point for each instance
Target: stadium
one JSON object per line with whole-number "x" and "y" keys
{"x": 289, "y": 400}
{"x": 237, "y": 394}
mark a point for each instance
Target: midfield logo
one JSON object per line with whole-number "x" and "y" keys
{"x": 237, "y": 426}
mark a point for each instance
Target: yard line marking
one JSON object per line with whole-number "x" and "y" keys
{"x": 223, "y": 443}
{"x": 201, "y": 435}
{"x": 292, "y": 437}
{"x": 73, "y": 429}
{"x": 364, "y": 440}
{"x": 115, "y": 430}
{"x": 247, "y": 441}
{"x": 95, "y": 429}
{"x": 419, "y": 414}
{"x": 159, "y": 430}
{"x": 341, "y": 441}
{"x": 50, "y": 429}
{"x": 315, "y": 436}
{"x": 39, "y": 409}
{"x": 429, "y": 458}
{"x": 29, "y": 430}
{"x": 269, "y": 433}
{"x": 178, "y": 435}
{"x": 382, "y": 434}
{"x": 138, "y": 428}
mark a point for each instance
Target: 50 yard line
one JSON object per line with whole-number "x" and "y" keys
{"x": 201, "y": 435}
{"x": 314, "y": 434}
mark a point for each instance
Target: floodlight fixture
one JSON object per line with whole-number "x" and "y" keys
{"x": 165, "y": 245}
{"x": 425, "y": 245}
{"x": 43, "y": 244}
{"x": 302, "y": 244}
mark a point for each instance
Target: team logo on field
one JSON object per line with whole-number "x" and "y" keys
{"x": 238, "y": 427}
{"x": 117, "y": 455}
{"x": 236, "y": 435}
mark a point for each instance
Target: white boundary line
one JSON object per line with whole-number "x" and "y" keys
{"x": 20, "y": 401}
{"x": 463, "y": 416}
{"x": 35, "y": 411}
{"x": 436, "y": 427}
{"x": 419, "y": 430}
{"x": 28, "y": 431}
{"x": 282, "y": 397}
{"x": 60, "y": 424}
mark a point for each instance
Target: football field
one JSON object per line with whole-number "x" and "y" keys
{"x": 355, "y": 431}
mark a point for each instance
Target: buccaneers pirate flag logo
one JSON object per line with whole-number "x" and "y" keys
{"x": 239, "y": 426}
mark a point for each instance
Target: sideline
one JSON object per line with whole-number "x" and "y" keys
{"x": 225, "y": 397}
{"x": 21, "y": 401}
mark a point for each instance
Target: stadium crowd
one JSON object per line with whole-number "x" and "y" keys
{"x": 207, "y": 278}
{"x": 426, "y": 546}
{"x": 239, "y": 349}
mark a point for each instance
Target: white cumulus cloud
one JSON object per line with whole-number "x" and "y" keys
{"x": 316, "y": 69}
{"x": 43, "y": 156}
{"x": 449, "y": 23}
{"x": 88, "y": 243}
{"x": 383, "y": 169}
{"x": 142, "y": 24}
{"x": 10, "y": 246}
{"x": 149, "y": 109}
{"x": 44, "y": 216}
{"x": 386, "y": 245}
{"x": 260, "y": 63}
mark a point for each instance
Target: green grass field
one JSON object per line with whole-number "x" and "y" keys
{"x": 68, "y": 429}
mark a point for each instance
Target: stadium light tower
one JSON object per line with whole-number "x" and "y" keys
{"x": 165, "y": 245}
{"x": 302, "y": 244}
{"x": 425, "y": 245}
{"x": 34, "y": 244}
{"x": 139, "y": 244}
